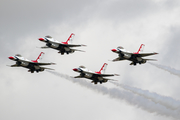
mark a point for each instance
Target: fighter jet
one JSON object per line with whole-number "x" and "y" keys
{"x": 62, "y": 47}
{"x": 135, "y": 57}
{"x": 94, "y": 76}
{"x": 32, "y": 65}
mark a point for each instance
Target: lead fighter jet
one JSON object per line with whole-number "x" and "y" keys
{"x": 62, "y": 47}
{"x": 32, "y": 65}
{"x": 135, "y": 57}
{"x": 94, "y": 76}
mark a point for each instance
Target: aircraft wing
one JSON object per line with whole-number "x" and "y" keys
{"x": 44, "y": 47}
{"x": 105, "y": 75}
{"x": 15, "y": 65}
{"x": 78, "y": 76}
{"x": 36, "y": 63}
{"x": 42, "y": 63}
{"x": 66, "y": 45}
{"x": 72, "y": 45}
{"x": 144, "y": 54}
{"x": 118, "y": 59}
{"x": 100, "y": 75}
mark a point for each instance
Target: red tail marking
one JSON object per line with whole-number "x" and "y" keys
{"x": 101, "y": 68}
{"x": 38, "y": 57}
{"x": 68, "y": 39}
{"x": 139, "y": 49}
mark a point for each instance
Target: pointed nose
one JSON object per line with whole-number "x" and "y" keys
{"x": 75, "y": 69}
{"x": 12, "y": 58}
{"x": 114, "y": 50}
{"x": 41, "y": 39}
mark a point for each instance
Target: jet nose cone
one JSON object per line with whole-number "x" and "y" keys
{"x": 11, "y": 57}
{"x": 75, "y": 69}
{"x": 41, "y": 39}
{"x": 114, "y": 50}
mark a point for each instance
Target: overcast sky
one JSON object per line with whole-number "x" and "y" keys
{"x": 102, "y": 25}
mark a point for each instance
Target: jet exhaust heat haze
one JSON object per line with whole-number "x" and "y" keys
{"x": 142, "y": 102}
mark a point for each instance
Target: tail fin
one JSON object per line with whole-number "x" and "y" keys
{"x": 102, "y": 70}
{"x": 69, "y": 40}
{"x": 141, "y": 48}
{"x": 39, "y": 58}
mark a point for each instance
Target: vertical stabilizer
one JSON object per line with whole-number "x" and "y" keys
{"x": 70, "y": 38}
{"x": 141, "y": 48}
{"x": 103, "y": 69}
{"x": 39, "y": 57}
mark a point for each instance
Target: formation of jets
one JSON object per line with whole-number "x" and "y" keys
{"x": 67, "y": 47}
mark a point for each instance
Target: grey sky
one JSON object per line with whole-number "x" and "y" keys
{"x": 101, "y": 25}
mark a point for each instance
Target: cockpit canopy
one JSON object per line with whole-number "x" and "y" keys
{"x": 120, "y": 47}
{"x": 48, "y": 36}
{"x": 82, "y": 66}
{"x": 18, "y": 55}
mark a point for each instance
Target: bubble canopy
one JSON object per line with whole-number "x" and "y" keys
{"x": 18, "y": 55}
{"x": 120, "y": 47}
{"x": 82, "y": 66}
{"x": 48, "y": 36}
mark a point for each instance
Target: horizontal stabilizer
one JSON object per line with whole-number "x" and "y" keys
{"x": 150, "y": 59}
{"x": 78, "y": 50}
{"x": 47, "y": 68}
{"x": 116, "y": 75}
{"x": 112, "y": 80}
{"x": 83, "y": 45}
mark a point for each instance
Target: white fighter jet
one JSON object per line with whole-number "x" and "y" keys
{"x": 32, "y": 65}
{"x": 62, "y": 47}
{"x": 94, "y": 76}
{"x": 135, "y": 57}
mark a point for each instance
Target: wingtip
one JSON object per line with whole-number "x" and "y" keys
{"x": 83, "y": 45}
{"x": 116, "y": 74}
